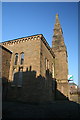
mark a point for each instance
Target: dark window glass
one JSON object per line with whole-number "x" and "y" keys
{"x": 16, "y": 58}
{"x": 22, "y": 58}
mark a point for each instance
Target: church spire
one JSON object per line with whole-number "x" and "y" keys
{"x": 61, "y": 63}
{"x": 58, "y": 40}
{"x": 57, "y": 19}
{"x": 57, "y": 26}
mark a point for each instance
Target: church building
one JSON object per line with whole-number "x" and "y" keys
{"x": 37, "y": 71}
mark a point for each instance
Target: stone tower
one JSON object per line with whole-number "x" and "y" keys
{"x": 61, "y": 63}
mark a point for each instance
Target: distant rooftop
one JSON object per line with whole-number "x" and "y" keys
{"x": 72, "y": 84}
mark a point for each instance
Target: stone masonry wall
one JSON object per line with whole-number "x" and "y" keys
{"x": 61, "y": 65}
{"x": 45, "y": 54}
{"x": 31, "y": 49}
{"x": 61, "y": 72}
{"x": 34, "y": 87}
{"x": 6, "y": 58}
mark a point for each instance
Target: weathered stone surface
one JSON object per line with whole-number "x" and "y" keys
{"x": 37, "y": 83}
{"x": 5, "y": 58}
{"x": 33, "y": 80}
{"x": 61, "y": 62}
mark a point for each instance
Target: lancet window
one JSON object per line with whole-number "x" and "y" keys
{"x": 16, "y": 59}
{"x": 22, "y": 58}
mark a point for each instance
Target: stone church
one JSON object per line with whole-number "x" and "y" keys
{"x": 36, "y": 71}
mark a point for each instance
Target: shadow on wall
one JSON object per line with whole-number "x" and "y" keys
{"x": 27, "y": 87}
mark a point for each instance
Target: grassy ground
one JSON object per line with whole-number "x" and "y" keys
{"x": 58, "y": 109}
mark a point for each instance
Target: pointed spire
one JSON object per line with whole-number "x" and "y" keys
{"x": 57, "y": 19}
{"x": 57, "y": 26}
{"x": 58, "y": 39}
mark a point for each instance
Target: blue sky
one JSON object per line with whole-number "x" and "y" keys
{"x": 20, "y": 19}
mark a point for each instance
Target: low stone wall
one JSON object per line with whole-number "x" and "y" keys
{"x": 33, "y": 89}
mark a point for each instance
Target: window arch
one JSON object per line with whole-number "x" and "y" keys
{"x": 47, "y": 64}
{"x": 22, "y": 58}
{"x": 16, "y": 59}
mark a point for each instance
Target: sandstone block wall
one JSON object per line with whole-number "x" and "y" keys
{"x": 61, "y": 65}
{"x": 6, "y": 58}
{"x": 45, "y": 54}
{"x": 31, "y": 49}
{"x": 33, "y": 89}
{"x": 35, "y": 86}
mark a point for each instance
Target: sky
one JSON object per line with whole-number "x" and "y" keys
{"x": 21, "y": 19}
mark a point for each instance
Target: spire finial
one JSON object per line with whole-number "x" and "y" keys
{"x": 57, "y": 26}
{"x": 57, "y": 15}
{"x": 57, "y": 18}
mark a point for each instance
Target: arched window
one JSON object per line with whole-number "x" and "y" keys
{"x": 52, "y": 70}
{"x": 46, "y": 64}
{"x": 16, "y": 59}
{"x": 22, "y": 58}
